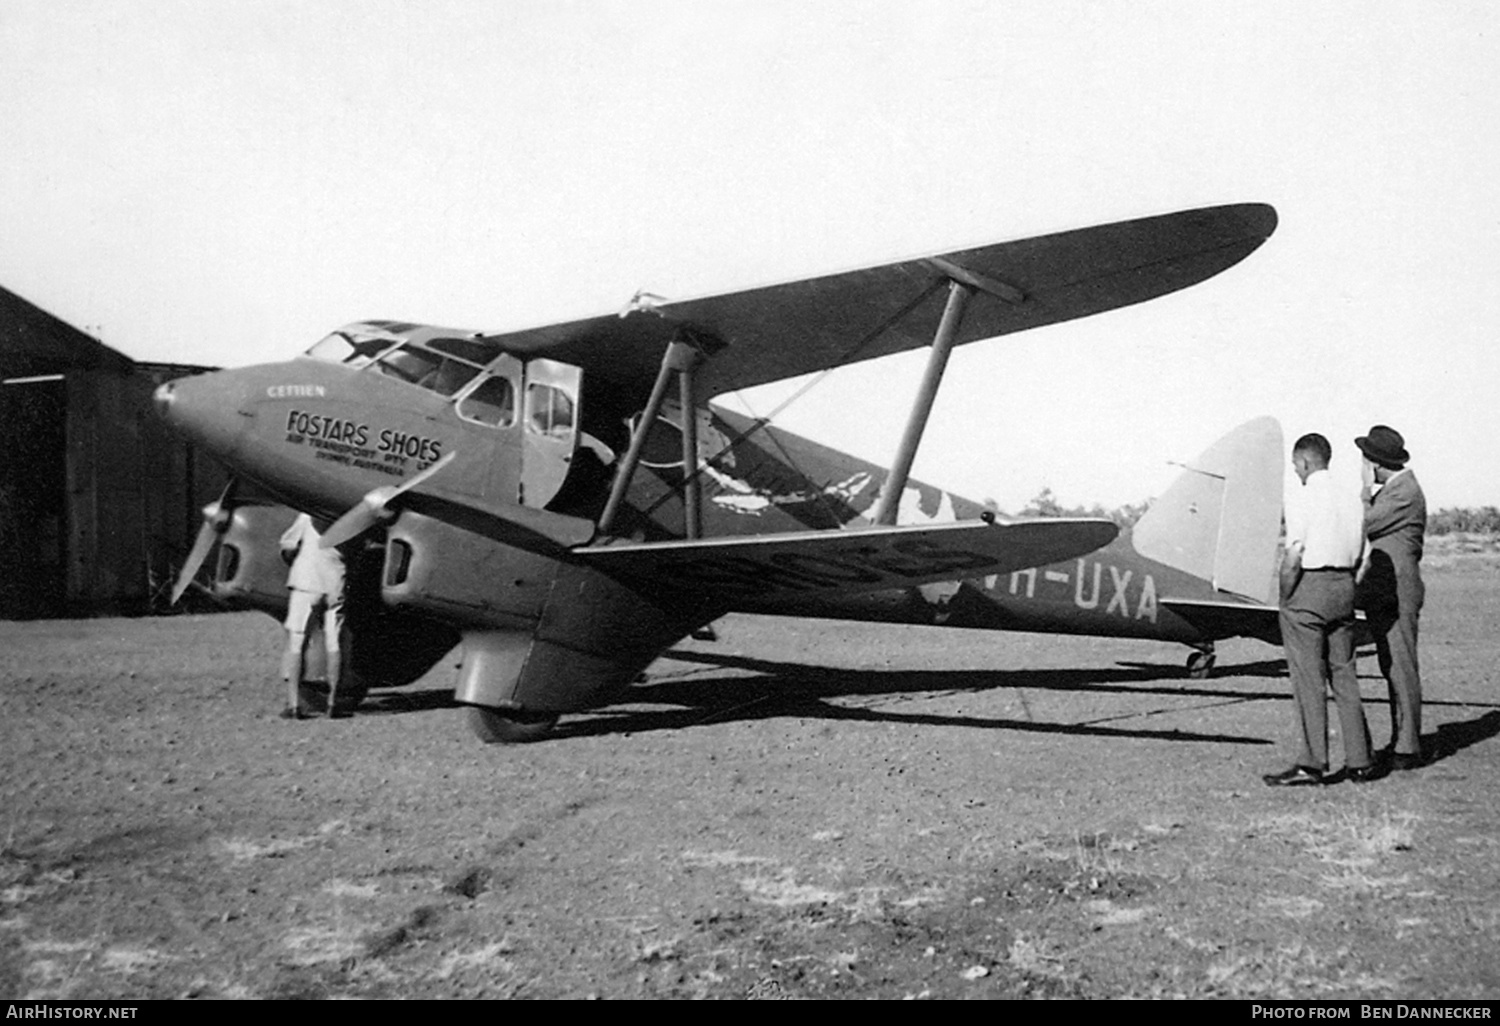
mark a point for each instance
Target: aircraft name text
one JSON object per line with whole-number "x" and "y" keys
{"x": 295, "y": 391}
{"x": 333, "y": 429}
{"x": 347, "y": 442}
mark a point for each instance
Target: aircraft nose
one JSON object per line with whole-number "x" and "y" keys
{"x": 204, "y": 409}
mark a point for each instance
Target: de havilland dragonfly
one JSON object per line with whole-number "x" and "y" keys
{"x": 547, "y": 501}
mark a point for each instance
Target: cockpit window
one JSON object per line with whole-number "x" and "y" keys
{"x": 452, "y": 376}
{"x": 352, "y": 347}
{"x": 549, "y": 411}
{"x": 441, "y": 374}
{"x": 492, "y": 403}
{"x": 411, "y": 363}
{"x": 473, "y": 350}
{"x": 445, "y": 365}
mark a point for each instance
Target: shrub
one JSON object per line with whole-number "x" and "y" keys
{"x": 1046, "y": 504}
{"x": 1485, "y": 520}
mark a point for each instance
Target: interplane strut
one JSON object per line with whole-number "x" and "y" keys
{"x": 916, "y": 422}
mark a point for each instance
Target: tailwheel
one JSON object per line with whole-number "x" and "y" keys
{"x": 508, "y": 726}
{"x": 1200, "y": 664}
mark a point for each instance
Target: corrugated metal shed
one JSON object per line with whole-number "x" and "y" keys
{"x": 99, "y": 503}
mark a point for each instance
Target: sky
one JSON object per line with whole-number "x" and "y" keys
{"x": 224, "y": 183}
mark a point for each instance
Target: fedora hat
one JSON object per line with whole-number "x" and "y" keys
{"x": 1384, "y": 445}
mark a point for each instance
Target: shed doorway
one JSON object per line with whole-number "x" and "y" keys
{"x": 33, "y": 497}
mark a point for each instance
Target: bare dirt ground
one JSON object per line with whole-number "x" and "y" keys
{"x": 799, "y": 810}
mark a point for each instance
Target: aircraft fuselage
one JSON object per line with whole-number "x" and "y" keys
{"x": 1113, "y": 592}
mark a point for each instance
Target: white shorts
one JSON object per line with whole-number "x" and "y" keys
{"x": 300, "y": 607}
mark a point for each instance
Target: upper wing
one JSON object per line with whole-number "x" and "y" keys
{"x": 758, "y": 573}
{"x": 780, "y": 331}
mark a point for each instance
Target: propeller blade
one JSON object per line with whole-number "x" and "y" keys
{"x": 371, "y": 510}
{"x": 215, "y": 523}
{"x": 412, "y": 482}
{"x": 201, "y": 547}
{"x": 365, "y": 514}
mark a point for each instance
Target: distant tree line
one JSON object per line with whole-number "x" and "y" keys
{"x": 1045, "y": 504}
{"x": 1484, "y": 520}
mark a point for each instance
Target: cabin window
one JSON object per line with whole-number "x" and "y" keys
{"x": 549, "y": 411}
{"x": 492, "y": 403}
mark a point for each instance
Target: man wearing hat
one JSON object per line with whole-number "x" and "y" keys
{"x": 1390, "y": 588}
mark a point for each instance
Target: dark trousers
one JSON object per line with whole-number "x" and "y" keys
{"x": 1393, "y": 622}
{"x": 1317, "y": 631}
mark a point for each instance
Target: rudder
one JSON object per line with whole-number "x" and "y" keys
{"x": 1221, "y": 518}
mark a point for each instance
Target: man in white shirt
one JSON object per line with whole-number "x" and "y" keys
{"x": 316, "y": 578}
{"x": 1324, "y": 543}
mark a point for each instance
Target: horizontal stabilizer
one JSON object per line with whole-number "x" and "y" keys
{"x": 1228, "y": 619}
{"x": 756, "y": 574}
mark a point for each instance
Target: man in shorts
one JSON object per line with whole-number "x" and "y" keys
{"x": 316, "y": 581}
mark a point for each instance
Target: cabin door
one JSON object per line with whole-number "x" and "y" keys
{"x": 491, "y": 414}
{"x": 550, "y": 429}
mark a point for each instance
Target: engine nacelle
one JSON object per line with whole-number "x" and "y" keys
{"x": 542, "y": 634}
{"x": 435, "y": 568}
{"x": 594, "y": 636}
{"x": 250, "y": 573}
{"x": 383, "y": 647}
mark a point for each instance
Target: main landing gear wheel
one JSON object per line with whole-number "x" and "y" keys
{"x": 508, "y": 726}
{"x": 1200, "y": 665}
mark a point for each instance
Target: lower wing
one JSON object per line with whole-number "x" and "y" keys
{"x": 759, "y": 573}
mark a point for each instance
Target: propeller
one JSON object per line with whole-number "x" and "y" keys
{"x": 371, "y": 510}
{"x": 216, "y": 516}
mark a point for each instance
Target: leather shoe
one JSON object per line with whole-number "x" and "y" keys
{"x": 1295, "y": 777}
{"x": 1361, "y": 774}
{"x": 1406, "y": 761}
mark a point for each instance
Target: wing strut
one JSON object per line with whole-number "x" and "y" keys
{"x": 916, "y": 421}
{"x": 681, "y": 357}
{"x": 692, "y": 519}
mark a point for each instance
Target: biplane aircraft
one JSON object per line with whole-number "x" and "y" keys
{"x": 543, "y": 500}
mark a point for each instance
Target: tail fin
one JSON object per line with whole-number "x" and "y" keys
{"x": 1221, "y": 519}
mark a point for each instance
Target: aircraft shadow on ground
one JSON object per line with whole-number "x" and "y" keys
{"x": 1259, "y": 668}
{"x": 1452, "y": 738}
{"x": 793, "y": 689}
{"x": 389, "y": 703}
